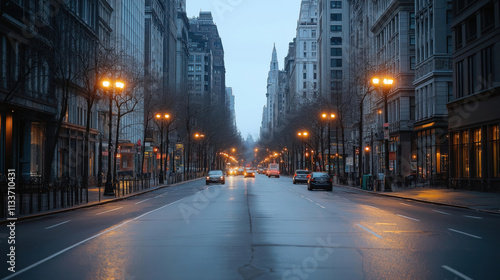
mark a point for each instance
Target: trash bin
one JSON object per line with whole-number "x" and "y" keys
{"x": 366, "y": 181}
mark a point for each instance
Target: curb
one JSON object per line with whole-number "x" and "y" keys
{"x": 93, "y": 204}
{"x": 419, "y": 200}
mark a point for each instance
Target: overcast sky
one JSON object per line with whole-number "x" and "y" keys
{"x": 248, "y": 29}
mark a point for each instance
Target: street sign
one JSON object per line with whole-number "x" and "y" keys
{"x": 392, "y": 155}
{"x": 349, "y": 161}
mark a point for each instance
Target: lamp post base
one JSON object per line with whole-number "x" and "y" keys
{"x": 108, "y": 189}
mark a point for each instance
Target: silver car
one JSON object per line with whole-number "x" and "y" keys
{"x": 215, "y": 176}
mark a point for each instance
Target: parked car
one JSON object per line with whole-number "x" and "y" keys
{"x": 215, "y": 176}
{"x": 249, "y": 172}
{"x": 319, "y": 180}
{"x": 300, "y": 176}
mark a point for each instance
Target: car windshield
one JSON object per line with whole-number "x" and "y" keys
{"x": 320, "y": 175}
{"x": 215, "y": 172}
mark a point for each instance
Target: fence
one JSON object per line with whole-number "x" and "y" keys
{"x": 33, "y": 196}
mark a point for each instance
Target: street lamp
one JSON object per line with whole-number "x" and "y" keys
{"x": 163, "y": 118}
{"x": 329, "y": 118}
{"x": 303, "y": 135}
{"x": 385, "y": 86}
{"x": 111, "y": 87}
{"x": 199, "y": 137}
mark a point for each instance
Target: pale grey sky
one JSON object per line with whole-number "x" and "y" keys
{"x": 248, "y": 29}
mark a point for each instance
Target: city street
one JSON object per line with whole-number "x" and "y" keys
{"x": 257, "y": 228}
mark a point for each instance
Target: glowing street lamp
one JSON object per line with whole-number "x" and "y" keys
{"x": 384, "y": 85}
{"x": 111, "y": 88}
{"x": 161, "y": 118}
{"x": 329, "y": 117}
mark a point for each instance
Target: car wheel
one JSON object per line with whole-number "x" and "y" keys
{"x": 278, "y": 176}
{"x": 294, "y": 182}
{"x": 308, "y": 187}
{"x": 329, "y": 189}
{"x": 223, "y": 182}
{"x": 207, "y": 183}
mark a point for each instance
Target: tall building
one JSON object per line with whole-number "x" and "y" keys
{"x": 433, "y": 88}
{"x": 204, "y": 25}
{"x": 154, "y": 33}
{"x": 393, "y": 28}
{"x": 200, "y": 67}
{"x": 31, "y": 93}
{"x": 474, "y": 121}
{"x": 230, "y": 105}
{"x": 333, "y": 47}
{"x": 305, "y": 80}
{"x": 182, "y": 23}
{"x": 272, "y": 94}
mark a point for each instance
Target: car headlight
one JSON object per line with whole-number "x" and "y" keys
{"x": 208, "y": 178}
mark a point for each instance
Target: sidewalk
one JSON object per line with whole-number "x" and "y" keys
{"x": 479, "y": 201}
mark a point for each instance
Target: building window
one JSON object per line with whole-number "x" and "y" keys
{"x": 313, "y": 33}
{"x": 304, "y": 76}
{"x": 450, "y": 91}
{"x": 336, "y": 51}
{"x": 412, "y": 40}
{"x": 455, "y": 153}
{"x": 412, "y": 62}
{"x": 198, "y": 58}
{"x": 336, "y": 17}
{"x": 315, "y": 67}
{"x": 487, "y": 17}
{"x": 304, "y": 67}
{"x": 336, "y": 86}
{"x": 495, "y": 150}
{"x": 336, "y": 74}
{"x": 314, "y": 46}
{"x": 459, "y": 78}
{"x": 471, "y": 75}
{"x": 336, "y": 4}
{"x": 336, "y": 41}
{"x": 190, "y": 68}
{"x": 198, "y": 68}
{"x": 465, "y": 154}
{"x": 487, "y": 68}
{"x": 315, "y": 76}
{"x": 305, "y": 85}
{"x": 412, "y": 21}
{"x": 471, "y": 28}
{"x": 449, "y": 45}
{"x": 336, "y": 62}
{"x": 477, "y": 154}
{"x": 335, "y": 28}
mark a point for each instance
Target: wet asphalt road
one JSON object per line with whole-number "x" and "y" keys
{"x": 262, "y": 228}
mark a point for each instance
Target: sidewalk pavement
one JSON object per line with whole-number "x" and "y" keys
{"x": 479, "y": 201}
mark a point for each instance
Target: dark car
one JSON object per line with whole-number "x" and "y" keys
{"x": 319, "y": 180}
{"x": 300, "y": 176}
{"x": 215, "y": 176}
{"x": 249, "y": 172}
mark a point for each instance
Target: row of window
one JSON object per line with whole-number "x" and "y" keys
{"x": 469, "y": 147}
{"x": 468, "y": 79}
{"x": 469, "y": 26}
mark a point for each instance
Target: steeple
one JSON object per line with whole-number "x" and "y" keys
{"x": 274, "y": 60}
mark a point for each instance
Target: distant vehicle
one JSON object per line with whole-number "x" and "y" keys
{"x": 249, "y": 172}
{"x": 232, "y": 171}
{"x": 240, "y": 171}
{"x": 300, "y": 176}
{"x": 273, "y": 170}
{"x": 215, "y": 176}
{"x": 260, "y": 170}
{"x": 319, "y": 180}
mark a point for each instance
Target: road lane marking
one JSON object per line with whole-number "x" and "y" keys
{"x": 85, "y": 241}
{"x": 406, "y": 217}
{"x": 108, "y": 211}
{"x": 404, "y": 204}
{"x": 142, "y": 201}
{"x": 58, "y": 224}
{"x": 473, "y": 217}
{"x": 441, "y": 212}
{"x": 464, "y": 233}
{"x": 308, "y": 199}
{"x": 321, "y": 206}
{"x": 372, "y": 207}
{"x": 369, "y": 230}
{"x": 463, "y": 276}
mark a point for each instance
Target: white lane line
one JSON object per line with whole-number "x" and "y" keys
{"x": 463, "y": 276}
{"x": 372, "y": 207}
{"x": 345, "y": 198}
{"x": 321, "y": 206}
{"x": 369, "y": 230}
{"x": 404, "y": 204}
{"x": 109, "y": 211}
{"x": 413, "y": 219}
{"x": 58, "y": 224}
{"x": 142, "y": 201}
{"x": 465, "y": 233}
{"x": 308, "y": 199}
{"x": 441, "y": 212}
{"x": 84, "y": 241}
{"x": 473, "y": 217}
{"x": 158, "y": 196}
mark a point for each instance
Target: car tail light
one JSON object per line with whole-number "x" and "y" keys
{"x": 208, "y": 178}
{"x": 222, "y": 177}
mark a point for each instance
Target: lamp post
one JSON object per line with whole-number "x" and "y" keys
{"x": 329, "y": 118}
{"x": 111, "y": 87}
{"x": 368, "y": 168}
{"x": 199, "y": 137}
{"x": 303, "y": 135}
{"x": 385, "y": 86}
{"x": 161, "y": 118}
